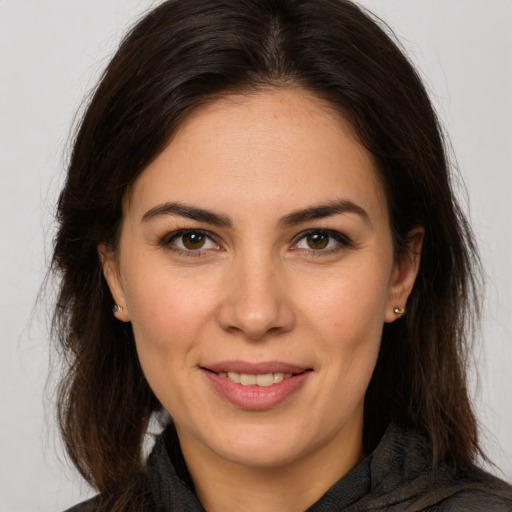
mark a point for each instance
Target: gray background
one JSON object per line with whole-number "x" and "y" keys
{"x": 52, "y": 51}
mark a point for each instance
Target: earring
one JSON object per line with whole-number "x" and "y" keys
{"x": 399, "y": 311}
{"x": 117, "y": 308}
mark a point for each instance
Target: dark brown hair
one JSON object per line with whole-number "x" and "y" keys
{"x": 181, "y": 55}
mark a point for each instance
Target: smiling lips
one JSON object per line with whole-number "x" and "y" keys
{"x": 256, "y": 386}
{"x": 262, "y": 379}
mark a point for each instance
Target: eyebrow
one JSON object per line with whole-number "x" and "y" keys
{"x": 189, "y": 212}
{"x": 297, "y": 217}
{"x": 322, "y": 211}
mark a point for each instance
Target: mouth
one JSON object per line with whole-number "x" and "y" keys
{"x": 260, "y": 379}
{"x": 263, "y": 374}
{"x": 256, "y": 386}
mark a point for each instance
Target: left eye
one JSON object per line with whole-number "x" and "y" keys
{"x": 192, "y": 241}
{"x": 320, "y": 241}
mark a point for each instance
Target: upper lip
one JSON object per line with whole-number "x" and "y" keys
{"x": 255, "y": 368}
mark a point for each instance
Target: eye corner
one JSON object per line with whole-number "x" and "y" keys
{"x": 190, "y": 242}
{"x": 320, "y": 240}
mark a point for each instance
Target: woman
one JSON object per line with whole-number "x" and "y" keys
{"x": 258, "y": 235}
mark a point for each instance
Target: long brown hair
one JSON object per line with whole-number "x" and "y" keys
{"x": 183, "y": 54}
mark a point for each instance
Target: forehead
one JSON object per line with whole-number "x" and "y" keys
{"x": 282, "y": 147}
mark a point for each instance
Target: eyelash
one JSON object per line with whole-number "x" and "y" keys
{"x": 167, "y": 243}
{"x": 342, "y": 242}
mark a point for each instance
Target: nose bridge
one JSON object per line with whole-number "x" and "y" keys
{"x": 255, "y": 303}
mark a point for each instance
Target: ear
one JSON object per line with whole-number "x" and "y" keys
{"x": 404, "y": 275}
{"x": 111, "y": 272}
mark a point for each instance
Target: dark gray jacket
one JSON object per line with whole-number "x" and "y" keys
{"x": 395, "y": 477}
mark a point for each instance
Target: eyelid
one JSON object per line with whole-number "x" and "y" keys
{"x": 342, "y": 239}
{"x": 167, "y": 239}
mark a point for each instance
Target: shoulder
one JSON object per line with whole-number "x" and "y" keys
{"x": 402, "y": 475}
{"x": 476, "y": 501}
{"x": 472, "y": 490}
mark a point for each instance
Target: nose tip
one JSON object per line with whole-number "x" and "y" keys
{"x": 255, "y": 323}
{"x": 256, "y": 308}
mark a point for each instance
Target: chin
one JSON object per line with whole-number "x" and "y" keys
{"x": 261, "y": 447}
{"x": 259, "y": 455}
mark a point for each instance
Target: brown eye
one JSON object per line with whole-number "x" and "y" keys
{"x": 322, "y": 241}
{"x": 317, "y": 240}
{"x": 193, "y": 240}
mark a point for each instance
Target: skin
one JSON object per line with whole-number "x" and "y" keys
{"x": 259, "y": 290}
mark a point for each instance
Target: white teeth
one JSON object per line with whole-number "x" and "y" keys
{"x": 233, "y": 377}
{"x": 278, "y": 377}
{"x": 267, "y": 379}
{"x": 247, "y": 380}
{"x": 264, "y": 379}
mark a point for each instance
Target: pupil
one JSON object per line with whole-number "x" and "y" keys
{"x": 193, "y": 240}
{"x": 318, "y": 241}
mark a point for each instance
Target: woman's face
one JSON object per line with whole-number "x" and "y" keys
{"x": 256, "y": 266}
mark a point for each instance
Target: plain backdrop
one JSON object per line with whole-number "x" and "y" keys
{"x": 51, "y": 53}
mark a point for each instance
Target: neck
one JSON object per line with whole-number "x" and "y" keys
{"x": 224, "y": 486}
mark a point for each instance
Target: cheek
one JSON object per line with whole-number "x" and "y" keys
{"x": 348, "y": 314}
{"x": 170, "y": 316}
{"x": 352, "y": 322}
{"x": 168, "y": 310}
{"x": 350, "y": 301}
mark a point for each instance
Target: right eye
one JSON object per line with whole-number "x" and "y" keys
{"x": 191, "y": 242}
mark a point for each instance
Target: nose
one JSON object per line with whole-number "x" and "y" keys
{"x": 256, "y": 303}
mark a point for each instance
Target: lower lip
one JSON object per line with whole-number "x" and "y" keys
{"x": 256, "y": 398}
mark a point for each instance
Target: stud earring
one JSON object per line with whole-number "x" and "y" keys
{"x": 399, "y": 311}
{"x": 117, "y": 308}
